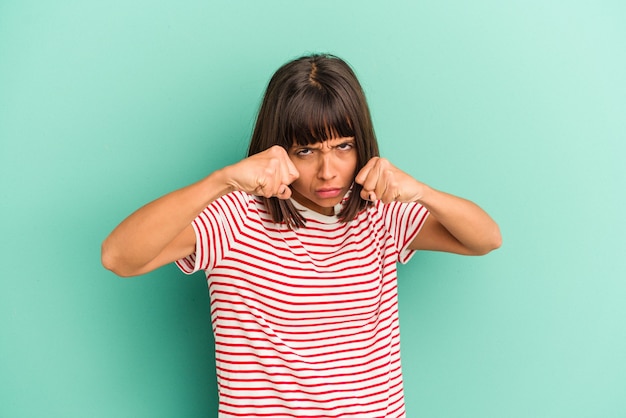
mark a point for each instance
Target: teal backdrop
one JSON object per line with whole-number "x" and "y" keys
{"x": 517, "y": 105}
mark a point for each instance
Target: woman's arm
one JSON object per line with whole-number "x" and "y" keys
{"x": 161, "y": 232}
{"x": 455, "y": 225}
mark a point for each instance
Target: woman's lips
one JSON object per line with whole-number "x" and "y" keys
{"x": 328, "y": 193}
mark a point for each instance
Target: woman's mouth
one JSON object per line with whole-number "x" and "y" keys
{"x": 328, "y": 193}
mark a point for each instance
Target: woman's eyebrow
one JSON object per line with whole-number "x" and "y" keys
{"x": 340, "y": 141}
{"x": 317, "y": 145}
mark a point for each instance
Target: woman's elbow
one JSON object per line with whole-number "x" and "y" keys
{"x": 497, "y": 242}
{"x": 112, "y": 262}
{"x": 493, "y": 242}
{"x": 488, "y": 243}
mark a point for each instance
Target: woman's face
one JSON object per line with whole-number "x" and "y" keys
{"x": 327, "y": 170}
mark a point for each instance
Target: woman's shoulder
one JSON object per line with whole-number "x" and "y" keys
{"x": 240, "y": 197}
{"x": 236, "y": 203}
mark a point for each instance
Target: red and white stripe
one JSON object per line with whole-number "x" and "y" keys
{"x": 305, "y": 321}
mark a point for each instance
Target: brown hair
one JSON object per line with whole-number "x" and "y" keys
{"x": 309, "y": 100}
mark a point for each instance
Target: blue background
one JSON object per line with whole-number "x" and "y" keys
{"x": 517, "y": 105}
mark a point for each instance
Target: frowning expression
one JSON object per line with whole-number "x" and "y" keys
{"x": 327, "y": 170}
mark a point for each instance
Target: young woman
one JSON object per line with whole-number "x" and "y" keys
{"x": 300, "y": 242}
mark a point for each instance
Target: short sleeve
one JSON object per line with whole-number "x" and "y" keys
{"x": 217, "y": 228}
{"x": 404, "y": 221}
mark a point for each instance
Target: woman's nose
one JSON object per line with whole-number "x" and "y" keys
{"x": 326, "y": 167}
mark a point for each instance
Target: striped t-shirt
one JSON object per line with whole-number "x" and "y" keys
{"x": 305, "y": 321}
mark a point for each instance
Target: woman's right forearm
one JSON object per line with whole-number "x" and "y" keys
{"x": 160, "y": 232}
{"x": 148, "y": 232}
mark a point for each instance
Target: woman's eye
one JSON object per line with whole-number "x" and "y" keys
{"x": 304, "y": 152}
{"x": 345, "y": 146}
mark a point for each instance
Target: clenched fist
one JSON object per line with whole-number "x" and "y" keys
{"x": 381, "y": 180}
{"x": 268, "y": 174}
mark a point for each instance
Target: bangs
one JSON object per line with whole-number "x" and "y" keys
{"x": 316, "y": 116}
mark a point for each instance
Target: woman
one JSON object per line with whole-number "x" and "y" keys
{"x": 299, "y": 242}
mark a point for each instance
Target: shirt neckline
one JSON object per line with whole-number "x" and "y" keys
{"x": 311, "y": 214}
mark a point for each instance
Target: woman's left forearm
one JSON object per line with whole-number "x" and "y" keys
{"x": 456, "y": 225}
{"x": 463, "y": 219}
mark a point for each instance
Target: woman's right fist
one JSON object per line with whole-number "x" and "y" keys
{"x": 268, "y": 173}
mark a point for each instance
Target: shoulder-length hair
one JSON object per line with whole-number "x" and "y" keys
{"x": 309, "y": 100}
